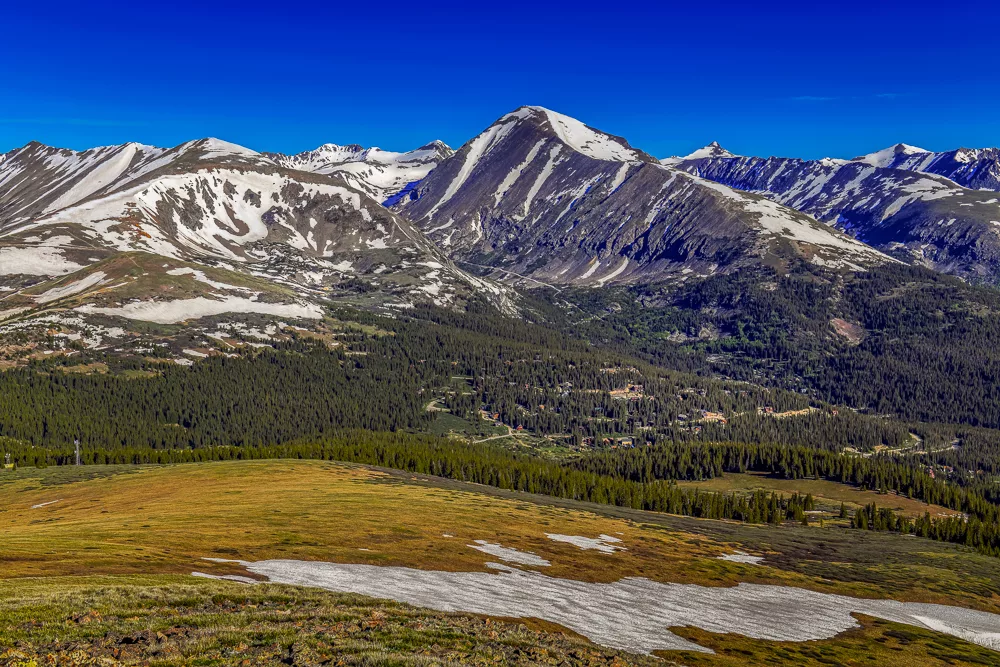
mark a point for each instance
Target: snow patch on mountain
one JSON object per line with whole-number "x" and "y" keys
{"x": 179, "y": 310}
{"x": 35, "y": 261}
{"x": 886, "y": 156}
{"x": 586, "y": 140}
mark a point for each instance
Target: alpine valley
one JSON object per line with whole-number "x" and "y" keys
{"x": 574, "y": 403}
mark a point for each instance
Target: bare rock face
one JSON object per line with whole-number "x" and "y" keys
{"x": 543, "y": 197}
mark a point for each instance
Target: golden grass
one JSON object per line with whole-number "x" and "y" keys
{"x": 167, "y": 519}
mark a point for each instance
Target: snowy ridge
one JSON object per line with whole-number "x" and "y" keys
{"x": 903, "y": 208}
{"x": 380, "y": 174}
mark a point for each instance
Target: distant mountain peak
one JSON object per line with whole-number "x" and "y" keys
{"x": 886, "y": 156}
{"x": 712, "y": 150}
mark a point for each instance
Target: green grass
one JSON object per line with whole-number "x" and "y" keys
{"x": 170, "y": 621}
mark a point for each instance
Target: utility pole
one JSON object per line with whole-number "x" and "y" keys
{"x": 77, "y": 443}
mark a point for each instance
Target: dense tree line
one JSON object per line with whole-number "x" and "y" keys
{"x": 705, "y": 461}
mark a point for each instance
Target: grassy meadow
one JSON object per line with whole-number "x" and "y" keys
{"x": 95, "y": 556}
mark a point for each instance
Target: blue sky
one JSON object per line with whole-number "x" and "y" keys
{"x": 807, "y": 79}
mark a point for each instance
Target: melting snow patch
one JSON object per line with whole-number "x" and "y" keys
{"x": 35, "y": 262}
{"x": 51, "y": 502}
{"x": 509, "y": 554}
{"x": 742, "y": 557}
{"x": 171, "y": 312}
{"x": 225, "y": 577}
{"x": 606, "y": 544}
{"x": 648, "y": 608}
{"x": 95, "y": 278}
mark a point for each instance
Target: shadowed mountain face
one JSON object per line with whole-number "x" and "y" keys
{"x": 975, "y": 168}
{"x": 919, "y": 217}
{"x": 541, "y": 195}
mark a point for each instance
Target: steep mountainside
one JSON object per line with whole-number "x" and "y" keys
{"x": 373, "y": 171}
{"x": 919, "y": 217}
{"x": 541, "y": 195}
{"x": 976, "y": 168}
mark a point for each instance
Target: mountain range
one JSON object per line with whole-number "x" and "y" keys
{"x": 208, "y": 229}
{"x": 914, "y": 213}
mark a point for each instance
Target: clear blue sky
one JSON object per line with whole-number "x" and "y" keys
{"x": 805, "y": 79}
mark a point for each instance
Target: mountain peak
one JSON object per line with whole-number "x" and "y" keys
{"x": 711, "y": 150}
{"x": 578, "y": 136}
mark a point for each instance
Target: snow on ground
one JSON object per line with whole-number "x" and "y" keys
{"x": 515, "y": 173}
{"x": 614, "y": 274}
{"x": 606, "y": 544}
{"x": 584, "y": 140}
{"x": 225, "y": 577}
{"x": 92, "y": 177}
{"x": 51, "y": 502}
{"x": 509, "y": 554}
{"x": 543, "y": 176}
{"x": 201, "y": 277}
{"x": 631, "y": 614}
{"x": 35, "y": 262}
{"x": 478, "y": 148}
{"x": 591, "y": 269}
{"x": 742, "y": 557}
{"x": 171, "y": 312}
{"x": 75, "y": 287}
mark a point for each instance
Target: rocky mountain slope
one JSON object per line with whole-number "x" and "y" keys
{"x": 203, "y": 230}
{"x": 543, "y": 197}
{"x": 919, "y": 217}
{"x": 975, "y": 168}
{"x": 378, "y": 173}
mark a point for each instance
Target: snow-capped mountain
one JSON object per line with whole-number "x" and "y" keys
{"x": 374, "y": 171}
{"x": 920, "y": 217}
{"x": 206, "y": 206}
{"x": 542, "y": 196}
{"x": 975, "y": 168}
{"x": 37, "y": 180}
